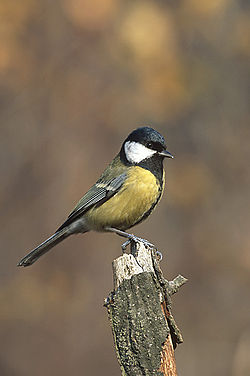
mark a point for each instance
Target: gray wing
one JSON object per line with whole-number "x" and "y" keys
{"x": 96, "y": 195}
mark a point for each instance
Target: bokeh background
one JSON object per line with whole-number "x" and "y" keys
{"x": 76, "y": 76}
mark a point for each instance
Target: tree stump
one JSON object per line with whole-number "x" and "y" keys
{"x": 139, "y": 309}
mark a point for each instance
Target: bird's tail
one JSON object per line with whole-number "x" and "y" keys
{"x": 44, "y": 247}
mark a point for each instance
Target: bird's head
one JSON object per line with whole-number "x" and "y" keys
{"x": 144, "y": 143}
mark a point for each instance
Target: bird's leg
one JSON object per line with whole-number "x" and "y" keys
{"x": 130, "y": 238}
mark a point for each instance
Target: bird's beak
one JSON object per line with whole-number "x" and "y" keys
{"x": 166, "y": 154}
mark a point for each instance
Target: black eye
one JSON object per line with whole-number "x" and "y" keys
{"x": 155, "y": 146}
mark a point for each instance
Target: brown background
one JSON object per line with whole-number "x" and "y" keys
{"x": 76, "y": 76}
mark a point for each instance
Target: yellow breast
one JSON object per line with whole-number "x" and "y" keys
{"x": 139, "y": 193}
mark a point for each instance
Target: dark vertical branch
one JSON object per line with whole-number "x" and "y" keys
{"x": 139, "y": 309}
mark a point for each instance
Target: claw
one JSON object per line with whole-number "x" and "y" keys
{"x": 159, "y": 255}
{"x": 125, "y": 244}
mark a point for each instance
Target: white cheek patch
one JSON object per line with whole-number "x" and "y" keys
{"x": 136, "y": 152}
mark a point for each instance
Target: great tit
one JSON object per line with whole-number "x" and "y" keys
{"x": 124, "y": 195}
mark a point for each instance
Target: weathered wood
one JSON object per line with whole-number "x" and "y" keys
{"x": 139, "y": 309}
{"x": 168, "y": 366}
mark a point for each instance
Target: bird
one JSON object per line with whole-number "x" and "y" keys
{"x": 125, "y": 194}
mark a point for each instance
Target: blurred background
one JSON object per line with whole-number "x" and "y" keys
{"x": 76, "y": 76}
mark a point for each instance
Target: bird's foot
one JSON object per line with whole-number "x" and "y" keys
{"x": 135, "y": 239}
